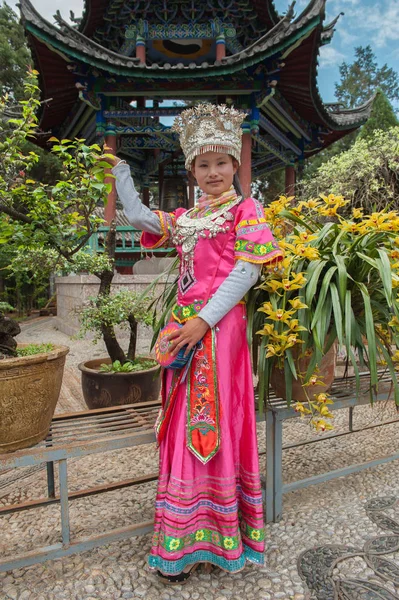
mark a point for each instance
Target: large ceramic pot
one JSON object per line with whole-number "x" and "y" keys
{"x": 29, "y": 391}
{"x": 299, "y": 393}
{"x": 101, "y": 390}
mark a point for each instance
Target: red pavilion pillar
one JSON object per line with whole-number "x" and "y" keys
{"x": 110, "y": 209}
{"x": 146, "y": 194}
{"x": 244, "y": 172}
{"x": 140, "y": 49}
{"x": 161, "y": 170}
{"x": 290, "y": 180}
{"x": 220, "y": 46}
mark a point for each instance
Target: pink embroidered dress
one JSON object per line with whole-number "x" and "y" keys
{"x": 209, "y": 500}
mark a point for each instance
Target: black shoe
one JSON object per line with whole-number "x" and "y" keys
{"x": 180, "y": 578}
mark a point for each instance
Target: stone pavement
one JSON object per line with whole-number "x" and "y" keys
{"x": 327, "y": 515}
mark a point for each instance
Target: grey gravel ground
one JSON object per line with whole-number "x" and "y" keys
{"x": 329, "y": 513}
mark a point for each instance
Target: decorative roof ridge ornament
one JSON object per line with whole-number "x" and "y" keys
{"x": 282, "y": 26}
{"x": 209, "y": 127}
{"x": 314, "y": 8}
{"x": 329, "y": 30}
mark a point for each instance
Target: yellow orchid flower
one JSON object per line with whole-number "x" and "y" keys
{"x": 357, "y": 213}
{"x": 300, "y": 408}
{"x": 321, "y": 425}
{"x": 323, "y": 399}
{"x": 294, "y": 326}
{"x": 297, "y": 304}
{"x": 272, "y": 286}
{"x": 268, "y": 329}
{"x": 307, "y": 252}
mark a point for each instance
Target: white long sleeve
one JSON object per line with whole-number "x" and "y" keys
{"x": 139, "y": 215}
{"x": 230, "y": 292}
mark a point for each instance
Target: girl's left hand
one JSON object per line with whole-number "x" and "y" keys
{"x": 191, "y": 333}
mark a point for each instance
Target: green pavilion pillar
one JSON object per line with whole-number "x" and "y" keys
{"x": 290, "y": 180}
{"x": 110, "y": 209}
{"x": 244, "y": 172}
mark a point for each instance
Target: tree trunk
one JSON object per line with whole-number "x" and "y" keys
{"x": 108, "y": 331}
{"x": 131, "y": 353}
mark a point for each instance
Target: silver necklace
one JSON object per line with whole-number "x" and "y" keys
{"x": 187, "y": 232}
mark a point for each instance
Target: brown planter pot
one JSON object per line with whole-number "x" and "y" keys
{"x": 101, "y": 390}
{"x": 29, "y": 391}
{"x": 326, "y": 371}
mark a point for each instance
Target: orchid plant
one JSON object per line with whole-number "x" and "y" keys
{"x": 338, "y": 284}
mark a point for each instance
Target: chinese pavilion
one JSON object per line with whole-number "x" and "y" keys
{"x": 127, "y": 66}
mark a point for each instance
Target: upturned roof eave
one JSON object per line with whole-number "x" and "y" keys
{"x": 341, "y": 120}
{"x": 74, "y": 45}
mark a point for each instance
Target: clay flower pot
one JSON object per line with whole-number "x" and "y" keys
{"x": 29, "y": 391}
{"x": 101, "y": 390}
{"x": 299, "y": 393}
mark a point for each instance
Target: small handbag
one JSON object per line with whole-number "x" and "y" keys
{"x": 162, "y": 345}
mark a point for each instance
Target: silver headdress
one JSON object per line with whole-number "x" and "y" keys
{"x": 209, "y": 128}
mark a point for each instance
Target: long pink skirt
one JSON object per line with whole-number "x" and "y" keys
{"x": 213, "y": 512}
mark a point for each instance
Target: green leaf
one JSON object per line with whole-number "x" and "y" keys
{"x": 348, "y": 319}
{"x": 322, "y": 296}
{"x": 386, "y": 274}
{"x": 370, "y": 332}
{"x": 337, "y": 312}
{"x": 288, "y": 380}
{"x": 342, "y": 277}
{"x": 311, "y": 285}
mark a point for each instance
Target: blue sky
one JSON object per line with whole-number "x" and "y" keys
{"x": 374, "y": 22}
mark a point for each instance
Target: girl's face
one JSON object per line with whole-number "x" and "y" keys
{"x": 214, "y": 172}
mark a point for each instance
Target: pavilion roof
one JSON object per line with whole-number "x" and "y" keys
{"x": 294, "y": 40}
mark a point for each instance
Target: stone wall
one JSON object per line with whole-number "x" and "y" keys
{"x": 74, "y": 290}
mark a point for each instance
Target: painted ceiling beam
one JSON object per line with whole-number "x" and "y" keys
{"x": 266, "y": 144}
{"x": 293, "y": 123}
{"x": 276, "y": 133}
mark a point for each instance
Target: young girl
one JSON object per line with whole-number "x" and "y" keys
{"x": 209, "y": 503}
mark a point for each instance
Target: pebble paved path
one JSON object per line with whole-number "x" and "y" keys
{"x": 330, "y": 513}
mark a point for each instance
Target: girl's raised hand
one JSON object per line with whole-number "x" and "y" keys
{"x": 109, "y": 156}
{"x": 192, "y": 332}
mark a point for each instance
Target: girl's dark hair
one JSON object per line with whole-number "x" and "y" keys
{"x": 237, "y": 186}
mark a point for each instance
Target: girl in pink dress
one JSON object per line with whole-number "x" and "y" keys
{"x": 208, "y": 506}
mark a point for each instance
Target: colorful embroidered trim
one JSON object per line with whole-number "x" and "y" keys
{"x": 207, "y": 536}
{"x": 203, "y": 426}
{"x": 201, "y": 535}
{"x": 260, "y": 211}
{"x": 257, "y": 253}
{"x": 167, "y": 222}
{"x": 254, "y": 228}
{"x": 172, "y": 567}
{"x": 246, "y": 222}
{"x": 184, "y": 313}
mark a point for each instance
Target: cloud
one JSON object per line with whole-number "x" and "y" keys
{"x": 330, "y": 57}
{"x": 47, "y": 8}
{"x": 377, "y": 23}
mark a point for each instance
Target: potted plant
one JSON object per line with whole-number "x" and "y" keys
{"x": 48, "y": 227}
{"x": 123, "y": 377}
{"x": 338, "y": 285}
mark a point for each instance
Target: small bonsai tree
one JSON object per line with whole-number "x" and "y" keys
{"x": 49, "y": 225}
